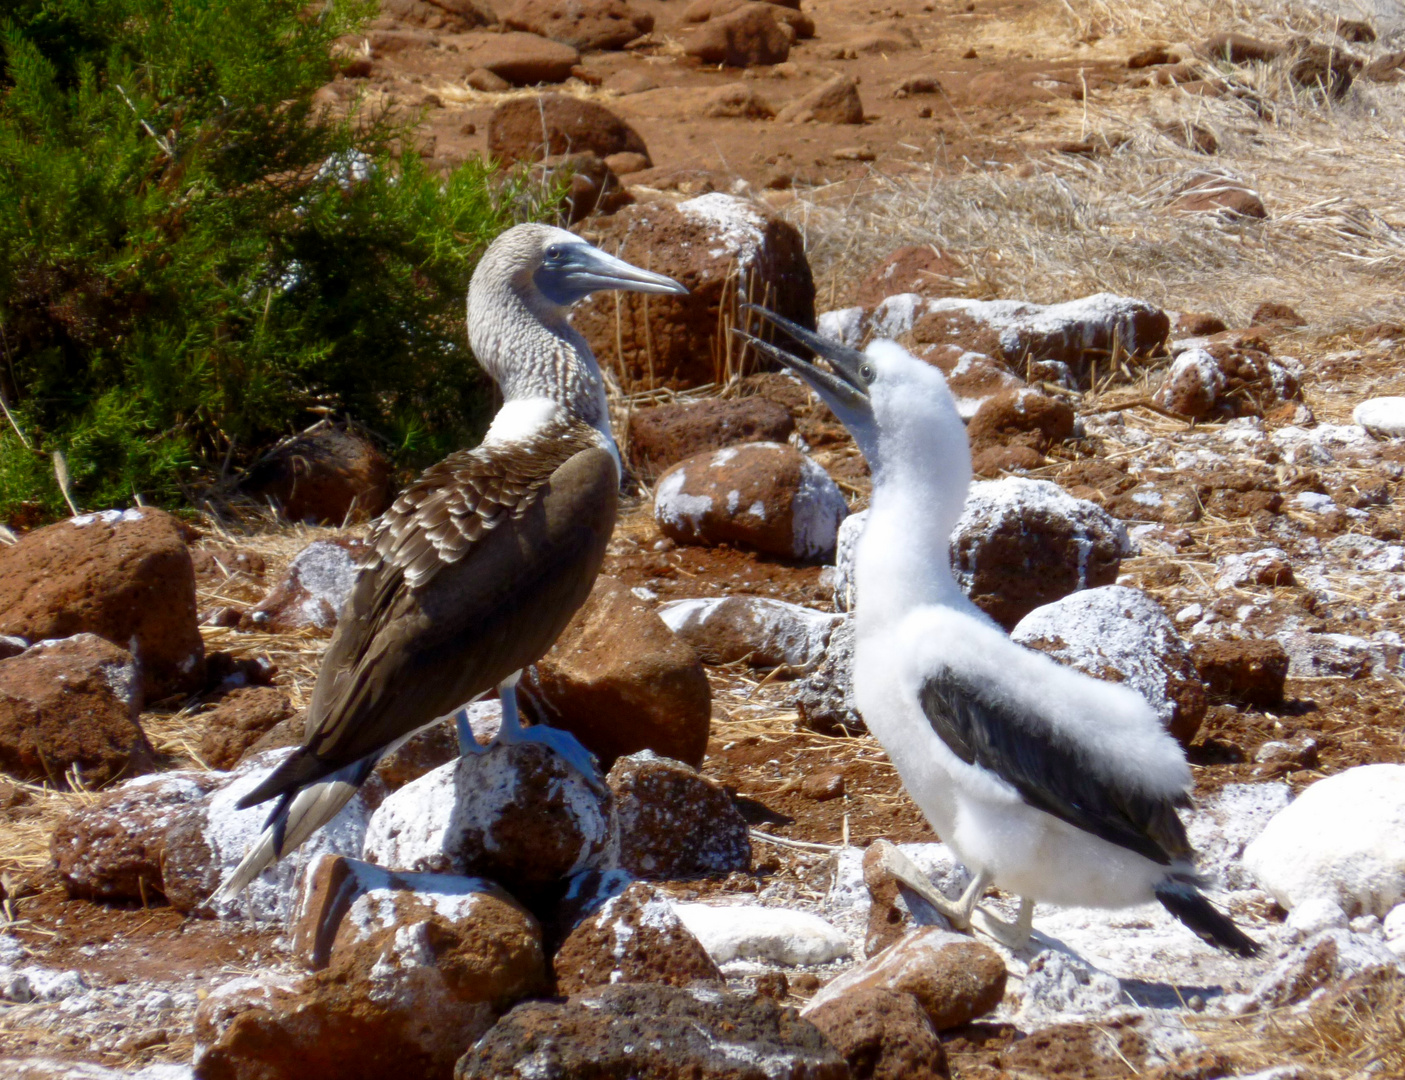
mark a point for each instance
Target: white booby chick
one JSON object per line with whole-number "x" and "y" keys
{"x": 481, "y": 562}
{"x": 1053, "y": 785}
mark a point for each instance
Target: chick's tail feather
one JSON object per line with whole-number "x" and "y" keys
{"x": 1187, "y": 903}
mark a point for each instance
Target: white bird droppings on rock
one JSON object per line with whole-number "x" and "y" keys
{"x": 1223, "y": 824}
{"x": 818, "y": 509}
{"x": 736, "y": 225}
{"x": 771, "y": 632}
{"x": 1383, "y": 417}
{"x": 1343, "y": 839}
{"x": 751, "y": 932}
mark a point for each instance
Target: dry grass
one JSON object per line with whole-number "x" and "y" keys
{"x": 1056, "y": 226}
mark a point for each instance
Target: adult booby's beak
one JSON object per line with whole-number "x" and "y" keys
{"x": 845, "y": 391}
{"x": 572, "y": 271}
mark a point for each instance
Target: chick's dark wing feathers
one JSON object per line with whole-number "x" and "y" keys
{"x": 992, "y": 733}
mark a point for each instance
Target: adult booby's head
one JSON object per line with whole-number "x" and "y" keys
{"x": 898, "y": 409}
{"x": 518, "y": 302}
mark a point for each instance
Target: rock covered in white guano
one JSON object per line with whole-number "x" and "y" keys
{"x": 1393, "y": 927}
{"x": 824, "y": 697}
{"x": 1383, "y": 417}
{"x": 1342, "y": 839}
{"x": 634, "y": 936}
{"x": 1059, "y": 986}
{"x": 1122, "y": 635}
{"x": 767, "y": 496}
{"x": 1022, "y": 543}
{"x": 673, "y": 822}
{"x": 1224, "y": 823}
{"x": 762, "y": 631}
{"x": 953, "y": 977}
{"x": 416, "y": 967}
{"x": 845, "y": 547}
{"x": 1265, "y": 566}
{"x": 516, "y": 814}
{"x": 313, "y": 589}
{"x": 752, "y": 932}
{"x": 1193, "y": 385}
{"x": 1324, "y": 960}
{"x": 1312, "y": 656}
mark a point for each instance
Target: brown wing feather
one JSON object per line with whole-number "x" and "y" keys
{"x": 492, "y": 595}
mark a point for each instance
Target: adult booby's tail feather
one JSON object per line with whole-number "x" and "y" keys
{"x": 1211, "y": 925}
{"x": 296, "y": 817}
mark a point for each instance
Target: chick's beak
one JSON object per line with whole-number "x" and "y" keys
{"x": 844, "y": 390}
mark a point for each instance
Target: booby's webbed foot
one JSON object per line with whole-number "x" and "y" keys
{"x": 566, "y": 745}
{"x": 906, "y": 872}
{"x": 467, "y": 743}
{"x": 1014, "y": 936}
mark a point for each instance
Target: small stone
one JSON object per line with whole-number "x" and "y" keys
{"x": 523, "y": 59}
{"x": 752, "y": 932}
{"x": 953, "y": 978}
{"x": 313, "y": 591}
{"x": 737, "y": 100}
{"x": 532, "y": 128}
{"x": 767, "y": 496}
{"x": 824, "y": 697}
{"x": 1272, "y": 313}
{"x": 1267, "y": 566}
{"x": 484, "y": 80}
{"x": 833, "y": 102}
{"x": 238, "y": 721}
{"x": 883, "y": 1035}
{"x": 1280, "y": 756}
{"x": 765, "y": 633}
{"x": 635, "y": 937}
{"x": 626, "y": 162}
{"x": 517, "y": 814}
{"x": 674, "y": 823}
{"x": 1383, "y": 417}
{"x": 750, "y": 36}
{"x": 1248, "y": 672}
{"x": 824, "y": 785}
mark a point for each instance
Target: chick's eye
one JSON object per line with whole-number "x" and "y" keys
{"x": 867, "y": 372}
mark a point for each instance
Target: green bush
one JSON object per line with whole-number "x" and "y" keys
{"x": 195, "y": 259}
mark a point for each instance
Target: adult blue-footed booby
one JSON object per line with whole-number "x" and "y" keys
{"x": 1044, "y": 781}
{"x": 481, "y": 562}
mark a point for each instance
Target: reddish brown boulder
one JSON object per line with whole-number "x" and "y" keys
{"x": 1017, "y": 420}
{"x": 312, "y": 591}
{"x": 621, "y": 681}
{"x": 972, "y": 378}
{"x": 648, "y": 1030}
{"x": 72, "y": 704}
{"x": 673, "y": 822}
{"x": 1225, "y": 378}
{"x": 666, "y": 434}
{"x": 582, "y": 24}
{"x": 1198, "y": 324}
{"x": 1272, "y": 313}
{"x": 953, "y": 978}
{"x": 725, "y": 250}
{"x": 1244, "y": 672}
{"x": 634, "y": 937}
{"x": 325, "y": 477}
{"x": 454, "y": 16}
{"x": 789, "y": 14}
{"x": 517, "y": 814}
{"x": 883, "y": 1036}
{"x": 750, "y": 36}
{"x": 529, "y": 129}
{"x": 918, "y": 268}
{"x": 522, "y": 59}
{"x": 416, "y": 968}
{"x": 833, "y": 102}
{"x": 1211, "y": 193}
{"x": 123, "y": 575}
{"x": 766, "y": 496}
{"x": 592, "y": 187}
{"x": 238, "y": 721}
{"x": 1024, "y": 543}
{"x": 765, "y": 632}
{"x": 115, "y": 848}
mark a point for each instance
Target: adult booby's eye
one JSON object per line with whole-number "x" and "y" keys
{"x": 867, "y": 373}
{"x": 555, "y": 252}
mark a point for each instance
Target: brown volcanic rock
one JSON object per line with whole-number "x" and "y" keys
{"x": 766, "y": 496}
{"x": 673, "y": 822}
{"x": 1024, "y": 543}
{"x": 917, "y": 268}
{"x": 593, "y": 188}
{"x": 240, "y": 719}
{"x": 750, "y": 36}
{"x": 1325, "y": 69}
{"x": 325, "y": 477}
{"x": 583, "y": 24}
{"x": 312, "y": 591}
{"x": 883, "y": 1035}
{"x": 529, "y": 129}
{"x": 522, "y": 59}
{"x": 72, "y": 703}
{"x": 724, "y": 249}
{"x": 1249, "y": 672}
{"x": 621, "y": 681}
{"x": 123, "y": 575}
{"x": 737, "y": 100}
{"x": 1272, "y": 313}
{"x": 666, "y": 434}
{"x": 788, "y": 14}
{"x": 115, "y": 848}
{"x": 417, "y": 966}
{"x": 454, "y": 16}
{"x": 1016, "y": 421}
{"x": 644, "y": 1031}
{"x": 833, "y": 102}
{"x": 1240, "y": 49}
{"x": 635, "y": 937}
{"x": 954, "y": 978}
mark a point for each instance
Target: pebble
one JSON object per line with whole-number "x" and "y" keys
{"x": 1383, "y": 417}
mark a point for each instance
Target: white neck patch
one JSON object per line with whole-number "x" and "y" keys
{"x": 519, "y": 420}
